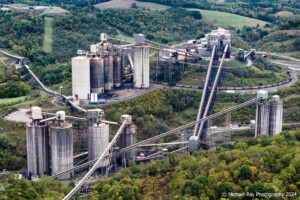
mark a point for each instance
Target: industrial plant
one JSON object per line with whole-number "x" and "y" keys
{"x": 108, "y": 66}
{"x": 52, "y": 137}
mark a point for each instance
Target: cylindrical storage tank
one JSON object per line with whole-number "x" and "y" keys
{"x": 97, "y": 75}
{"x": 37, "y": 149}
{"x": 108, "y": 72}
{"x": 128, "y": 138}
{"x": 81, "y": 84}
{"x": 61, "y": 149}
{"x": 98, "y": 140}
{"x": 276, "y": 109}
{"x": 262, "y": 118}
{"x": 117, "y": 71}
{"x": 141, "y": 77}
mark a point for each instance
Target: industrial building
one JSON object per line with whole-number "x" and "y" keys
{"x": 268, "y": 120}
{"x": 203, "y": 47}
{"x": 54, "y": 136}
{"x": 109, "y": 66}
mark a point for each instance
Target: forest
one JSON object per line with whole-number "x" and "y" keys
{"x": 263, "y": 164}
{"x": 175, "y": 24}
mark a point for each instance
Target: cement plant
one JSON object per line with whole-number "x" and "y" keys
{"x": 115, "y": 70}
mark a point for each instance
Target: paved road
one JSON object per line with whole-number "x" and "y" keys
{"x": 294, "y": 67}
{"x": 278, "y": 55}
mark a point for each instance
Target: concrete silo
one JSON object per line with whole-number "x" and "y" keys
{"x": 37, "y": 149}
{"x": 128, "y": 138}
{"x": 108, "y": 72}
{"x": 81, "y": 85}
{"x": 61, "y": 148}
{"x": 276, "y": 110}
{"x": 141, "y": 75}
{"x": 262, "y": 114}
{"x": 117, "y": 71}
{"x": 98, "y": 140}
{"x": 37, "y": 138}
{"x": 97, "y": 75}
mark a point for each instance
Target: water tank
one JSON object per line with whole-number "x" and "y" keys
{"x": 97, "y": 75}
{"x": 262, "y": 118}
{"x": 128, "y": 138}
{"x": 276, "y": 110}
{"x": 37, "y": 149}
{"x": 61, "y": 149}
{"x": 98, "y": 140}
{"x": 117, "y": 71}
{"x": 81, "y": 85}
{"x": 108, "y": 72}
{"x": 141, "y": 67}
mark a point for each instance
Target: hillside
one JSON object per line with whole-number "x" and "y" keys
{"x": 256, "y": 166}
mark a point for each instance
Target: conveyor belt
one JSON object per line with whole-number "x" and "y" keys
{"x": 205, "y": 89}
{"x": 96, "y": 165}
{"x": 198, "y": 133}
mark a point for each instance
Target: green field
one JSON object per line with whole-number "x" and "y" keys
{"x": 123, "y": 37}
{"x": 2, "y": 60}
{"x": 10, "y": 100}
{"x": 47, "y": 44}
{"x": 228, "y": 19}
{"x": 128, "y": 4}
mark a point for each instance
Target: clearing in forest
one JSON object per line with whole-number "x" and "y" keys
{"x": 129, "y": 3}
{"x": 228, "y": 20}
{"x": 47, "y": 44}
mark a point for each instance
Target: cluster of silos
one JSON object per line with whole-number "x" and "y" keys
{"x": 128, "y": 138}
{"x": 141, "y": 66}
{"x": 97, "y": 73}
{"x": 38, "y": 145}
{"x": 98, "y": 140}
{"x": 268, "y": 115}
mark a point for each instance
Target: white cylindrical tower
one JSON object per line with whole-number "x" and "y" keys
{"x": 141, "y": 75}
{"x": 276, "y": 110}
{"x": 98, "y": 140}
{"x": 81, "y": 86}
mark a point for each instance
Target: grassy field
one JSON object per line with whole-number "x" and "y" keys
{"x": 47, "y": 44}
{"x": 228, "y": 19}
{"x": 2, "y": 60}
{"x": 128, "y": 3}
{"x": 9, "y": 100}
{"x": 52, "y": 11}
{"x": 123, "y": 37}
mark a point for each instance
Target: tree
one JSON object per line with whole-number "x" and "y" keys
{"x": 257, "y": 188}
{"x": 245, "y": 173}
{"x": 224, "y": 189}
{"x": 134, "y": 5}
{"x": 297, "y": 44}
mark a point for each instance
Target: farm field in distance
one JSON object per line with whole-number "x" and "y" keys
{"x": 128, "y": 4}
{"x": 228, "y": 19}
